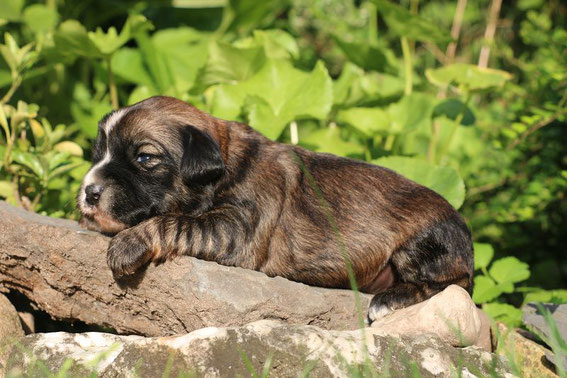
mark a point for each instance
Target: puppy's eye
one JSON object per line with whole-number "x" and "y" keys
{"x": 144, "y": 158}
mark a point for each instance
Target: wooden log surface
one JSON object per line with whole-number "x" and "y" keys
{"x": 62, "y": 269}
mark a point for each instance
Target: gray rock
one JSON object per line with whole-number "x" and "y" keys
{"x": 536, "y": 322}
{"x": 221, "y": 352}
{"x": 10, "y": 327}
{"x": 450, "y": 314}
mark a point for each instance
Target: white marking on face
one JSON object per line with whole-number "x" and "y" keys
{"x": 90, "y": 177}
{"x": 112, "y": 120}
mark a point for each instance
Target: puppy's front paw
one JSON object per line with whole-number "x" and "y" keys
{"x": 127, "y": 252}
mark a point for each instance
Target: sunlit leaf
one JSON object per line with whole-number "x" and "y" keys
{"x": 69, "y": 147}
{"x": 403, "y": 23}
{"x": 276, "y": 95}
{"x": 443, "y": 180}
{"x": 483, "y": 254}
{"x": 11, "y": 10}
{"x": 509, "y": 270}
{"x": 40, "y": 18}
{"x": 485, "y": 290}
{"x": 468, "y": 76}
{"x": 329, "y": 140}
{"x": 504, "y": 313}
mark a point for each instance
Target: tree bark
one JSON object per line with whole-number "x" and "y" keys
{"x": 62, "y": 269}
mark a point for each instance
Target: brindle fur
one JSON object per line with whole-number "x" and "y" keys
{"x": 223, "y": 192}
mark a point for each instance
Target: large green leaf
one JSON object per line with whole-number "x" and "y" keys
{"x": 40, "y": 18}
{"x": 485, "y": 290}
{"x": 366, "y": 55}
{"x": 110, "y": 41}
{"x": 408, "y": 114}
{"x": 443, "y": 180}
{"x": 504, "y": 313}
{"x": 508, "y": 271}
{"x": 11, "y": 10}
{"x": 128, "y": 64}
{"x": 369, "y": 121}
{"x": 276, "y": 43}
{"x": 72, "y": 39}
{"x": 185, "y": 53}
{"x": 483, "y": 254}
{"x": 227, "y": 63}
{"x": 405, "y": 24}
{"x": 467, "y": 76}
{"x": 329, "y": 140}
{"x": 275, "y": 96}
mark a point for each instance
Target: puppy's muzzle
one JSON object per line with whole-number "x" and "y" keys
{"x": 93, "y": 193}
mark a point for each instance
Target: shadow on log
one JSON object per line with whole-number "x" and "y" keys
{"x": 62, "y": 269}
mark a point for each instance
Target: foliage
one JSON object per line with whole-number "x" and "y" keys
{"x": 371, "y": 80}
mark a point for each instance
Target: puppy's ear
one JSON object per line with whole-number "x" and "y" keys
{"x": 202, "y": 162}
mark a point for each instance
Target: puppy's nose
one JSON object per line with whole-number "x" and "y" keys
{"x": 93, "y": 193}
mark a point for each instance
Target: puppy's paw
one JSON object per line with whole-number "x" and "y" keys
{"x": 127, "y": 252}
{"x": 377, "y": 310}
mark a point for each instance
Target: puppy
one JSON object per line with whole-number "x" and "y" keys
{"x": 168, "y": 179}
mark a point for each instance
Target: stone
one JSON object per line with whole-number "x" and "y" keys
{"x": 451, "y": 315}
{"x": 62, "y": 269}
{"x": 525, "y": 357}
{"x": 10, "y": 327}
{"x": 536, "y": 322}
{"x": 28, "y": 322}
{"x": 283, "y": 350}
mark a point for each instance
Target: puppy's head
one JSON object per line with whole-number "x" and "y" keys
{"x": 149, "y": 159}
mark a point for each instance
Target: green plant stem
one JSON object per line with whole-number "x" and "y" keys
{"x": 13, "y": 88}
{"x": 408, "y": 66}
{"x": 372, "y": 22}
{"x": 433, "y": 143}
{"x": 112, "y": 85}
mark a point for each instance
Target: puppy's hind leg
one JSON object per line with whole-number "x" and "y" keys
{"x": 429, "y": 262}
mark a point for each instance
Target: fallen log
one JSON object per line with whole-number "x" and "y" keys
{"x": 62, "y": 269}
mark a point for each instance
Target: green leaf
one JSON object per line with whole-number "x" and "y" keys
{"x": 483, "y": 254}
{"x": 185, "y": 52}
{"x": 228, "y": 64}
{"x": 128, "y": 64}
{"x": 31, "y": 162}
{"x": 11, "y": 10}
{"x": 405, "y": 24}
{"x": 242, "y": 16}
{"x": 71, "y": 40}
{"x": 110, "y": 41}
{"x": 369, "y": 121}
{"x": 276, "y": 43}
{"x": 452, "y": 108}
{"x": 275, "y": 96}
{"x": 468, "y": 76}
{"x": 140, "y": 93}
{"x": 547, "y": 296}
{"x": 509, "y": 270}
{"x": 504, "y": 313}
{"x": 7, "y": 191}
{"x": 342, "y": 86}
{"x": 329, "y": 140}
{"x": 366, "y": 55}
{"x": 40, "y": 18}
{"x": 443, "y": 180}
{"x": 410, "y": 113}
{"x": 485, "y": 290}
{"x": 69, "y": 147}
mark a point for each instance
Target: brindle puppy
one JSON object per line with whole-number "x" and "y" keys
{"x": 171, "y": 180}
